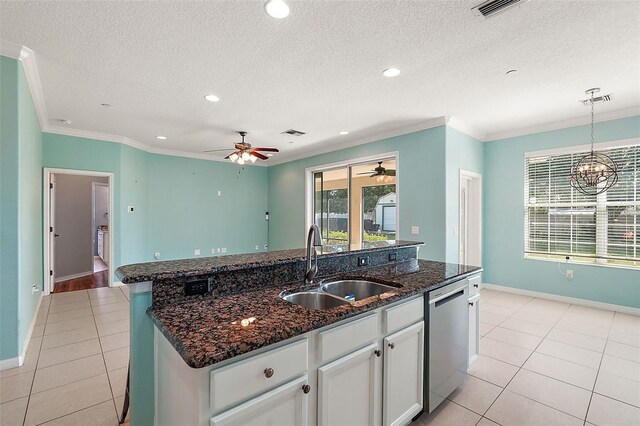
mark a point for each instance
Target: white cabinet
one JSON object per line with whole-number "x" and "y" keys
{"x": 103, "y": 246}
{"x": 403, "y": 375}
{"x": 474, "y": 328}
{"x": 283, "y": 406}
{"x": 349, "y": 389}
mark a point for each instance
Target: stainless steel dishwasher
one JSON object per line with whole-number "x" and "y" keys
{"x": 448, "y": 341}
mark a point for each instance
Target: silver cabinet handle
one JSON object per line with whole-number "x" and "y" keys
{"x": 268, "y": 372}
{"x": 470, "y": 303}
{"x": 306, "y": 388}
{"x": 476, "y": 285}
{"x": 392, "y": 345}
{"x": 377, "y": 352}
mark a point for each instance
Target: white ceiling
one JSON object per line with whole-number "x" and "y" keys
{"x": 319, "y": 70}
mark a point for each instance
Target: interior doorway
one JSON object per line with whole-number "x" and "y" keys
{"x": 470, "y": 223}
{"x": 78, "y": 238}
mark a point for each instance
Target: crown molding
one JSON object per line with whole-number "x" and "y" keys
{"x": 9, "y": 49}
{"x": 573, "y": 122}
{"x": 423, "y": 125}
{"x": 466, "y": 129}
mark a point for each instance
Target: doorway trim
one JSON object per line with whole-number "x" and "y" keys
{"x": 48, "y": 279}
{"x": 475, "y": 206}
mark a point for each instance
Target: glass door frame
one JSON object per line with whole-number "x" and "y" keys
{"x": 347, "y": 163}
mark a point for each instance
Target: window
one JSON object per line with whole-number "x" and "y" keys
{"x": 560, "y": 221}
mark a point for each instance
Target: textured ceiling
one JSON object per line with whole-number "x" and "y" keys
{"x": 319, "y": 70}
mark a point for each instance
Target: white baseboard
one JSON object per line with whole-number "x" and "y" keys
{"x": 565, "y": 299}
{"x": 70, "y": 277}
{"x": 118, "y": 284}
{"x": 6, "y": 364}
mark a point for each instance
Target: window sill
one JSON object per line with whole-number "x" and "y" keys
{"x": 577, "y": 262}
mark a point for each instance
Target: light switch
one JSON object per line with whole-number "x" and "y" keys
{"x": 130, "y": 209}
{"x": 219, "y": 193}
{"x": 196, "y": 252}
{"x": 415, "y": 230}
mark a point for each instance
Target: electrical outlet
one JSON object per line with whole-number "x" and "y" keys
{"x": 213, "y": 251}
{"x": 257, "y": 247}
{"x": 156, "y": 255}
{"x": 218, "y": 250}
{"x": 392, "y": 257}
{"x": 223, "y": 249}
{"x": 196, "y": 252}
{"x": 415, "y": 230}
{"x": 130, "y": 209}
{"x": 219, "y": 193}
{"x": 196, "y": 286}
{"x": 266, "y": 246}
{"x": 569, "y": 274}
{"x": 34, "y": 288}
{"x": 363, "y": 260}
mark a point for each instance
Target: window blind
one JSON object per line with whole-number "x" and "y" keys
{"x": 560, "y": 221}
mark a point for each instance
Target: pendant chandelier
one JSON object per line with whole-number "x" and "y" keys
{"x": 595, "y": 172}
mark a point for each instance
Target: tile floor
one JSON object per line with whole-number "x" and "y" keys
{"x": 75, "y": 369}
{"x": 548, "y": 363}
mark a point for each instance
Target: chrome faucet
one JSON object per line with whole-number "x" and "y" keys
{"x": 314, "y": 239}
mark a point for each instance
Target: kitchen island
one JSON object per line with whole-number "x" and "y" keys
{"x": 241, "y": 319}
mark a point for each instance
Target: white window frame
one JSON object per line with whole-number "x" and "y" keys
{"x": 601, "y": 219}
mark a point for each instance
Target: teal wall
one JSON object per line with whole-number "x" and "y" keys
{"x": 463, "y": 152}
{"x": 503, "y": 231}
{"x": 421, "y": 192}
{"x": 20, "y": 211}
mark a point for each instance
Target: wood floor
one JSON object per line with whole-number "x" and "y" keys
{"x": 96, "y": 280}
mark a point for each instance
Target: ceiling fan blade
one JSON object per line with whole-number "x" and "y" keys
{"x": 216, "y": 150}
{"x": 234, "y": 152}
{"x": 366, "y": 173}
{"x": 389, "y": 172}
{"x": 266, "y": 149}
{"x": 374, "y": 175}
{"x": 260, "y": 156}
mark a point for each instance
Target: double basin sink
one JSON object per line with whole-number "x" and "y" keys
{"x": 332, "y": 294}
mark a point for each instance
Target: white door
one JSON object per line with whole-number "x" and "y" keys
{"x": 470, "y": 218}
{"x": 283, "y": 406}
{"x": 349, "y": 389}
{"x": 52, "y": 232}
{"x": 403, "y": 375}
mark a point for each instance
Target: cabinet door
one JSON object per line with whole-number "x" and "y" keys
{"x": 349, "y": 389}
{"x": 403, "y": 375}
{"x": 283, "y": 406}
{"x": 474, "y": 328}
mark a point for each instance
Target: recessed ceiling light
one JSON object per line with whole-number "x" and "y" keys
{"x": 212, "y": 98}
{"x": 511, "y": 72}
{"x": 276, "y": 9}
{"x": 64, "y": 121}
{"x": 391, "y": 72}
{"x": 344, "y": 133}
{"x": 290, "y": 141}
{"x": 161, "y": 137}
{"x": 105, "y": 105}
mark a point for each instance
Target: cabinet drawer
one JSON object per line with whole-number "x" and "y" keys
{"x": 248, "y": 378}
{"x": 346, "y": 338}
{"x": 474, "y": 285}
{"x": 402, "y": 315}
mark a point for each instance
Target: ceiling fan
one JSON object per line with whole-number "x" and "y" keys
{"x": 379, "y": 171}
{"x": 245, "y": 152}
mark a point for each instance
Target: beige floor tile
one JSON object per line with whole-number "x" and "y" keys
{"x": 492, "y": 370}
{"x": 577, "y": 339}
{"x": 38, "y": 331}
{"x": 449, "y": 414}
{"x": 625, "y": 336}
{"x": 112, "y": 316}
{"x": 118, "y": 381}
{"x": 103, "y": 292}
{"x": 565, "y": 371}
{"x": 503, "y": 351}
{"x": 66, "y": 325}
{"x": 68, "y": 372}
{"x": 491, "y": 318}
{"x": 545, "y": 319}
{"x": 115, "y": 341}
{"x": 570, "y": 353}
{"x": 620, "y": 388}
{"x": 118, "y": 298}
{"x": 578, "y": 327}
{"x": 69, "y": 297}
{"x": 513, "y": 409}
{"x": 14, "y": 387}
{"x": 68, "y": 315}
{"x": 125, "y": 291}
{"x": 605, "y": 411}
{"x": 486, "y": 422}
{"x": 486, "y": 294}
{"x": 12, "y": 413}
{"x": 71, "y": 352}
{"x": 119, "y": 403}
{"x": 113, "y": 327}
{"x": 588, "y": 319}
{"x": 41, "y": 318}
{"x": 67, "y": 399}
{"x": 34, "y": 344}
{"x": 511, "y": 300}
{"x": 515, "y": 338}
{"x": 497, "y": 309}
{"x": 68, "y": 337}
{"x": 621, "y": 367}
{"x": 620, "y": 350}
{"x": 30, "y": 363}
{"x": 528, "y": 327}
{"x": 103, "y": 309}
{"x": 66, "y": 307}
{"x": 485, "y": 328}
{"x": 117, "y": 359}
{"x": 475, "y": 394}
{"x": 591, "y": 312}
{"x": 546, "y": 305}
{"x": 97, "y": 415}
{"x": 554, "y": 393}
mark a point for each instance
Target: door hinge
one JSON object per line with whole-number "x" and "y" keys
{"x": 50, "y": 185}
{"x": 51, "y": 229}
{"x": 50, "y": 273}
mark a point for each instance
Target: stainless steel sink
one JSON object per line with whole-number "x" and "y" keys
{"x": 314, "y": 300}
{"x": 353, "y": 290}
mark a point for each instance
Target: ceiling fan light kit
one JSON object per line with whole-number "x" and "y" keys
{"x": 245, "y": 152}
{"x": 596, "y": 172}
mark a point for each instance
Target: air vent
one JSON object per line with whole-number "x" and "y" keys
{"x": 597, "y": 100}
{"x": 293, "y": 132}
{"x": 493, "y": 7}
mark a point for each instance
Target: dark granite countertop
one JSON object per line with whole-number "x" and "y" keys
{"x": 208, "y": 331}
{"x": 169, "y": 269}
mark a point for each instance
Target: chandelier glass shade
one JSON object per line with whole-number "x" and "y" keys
{"x": 596, "y": 172}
